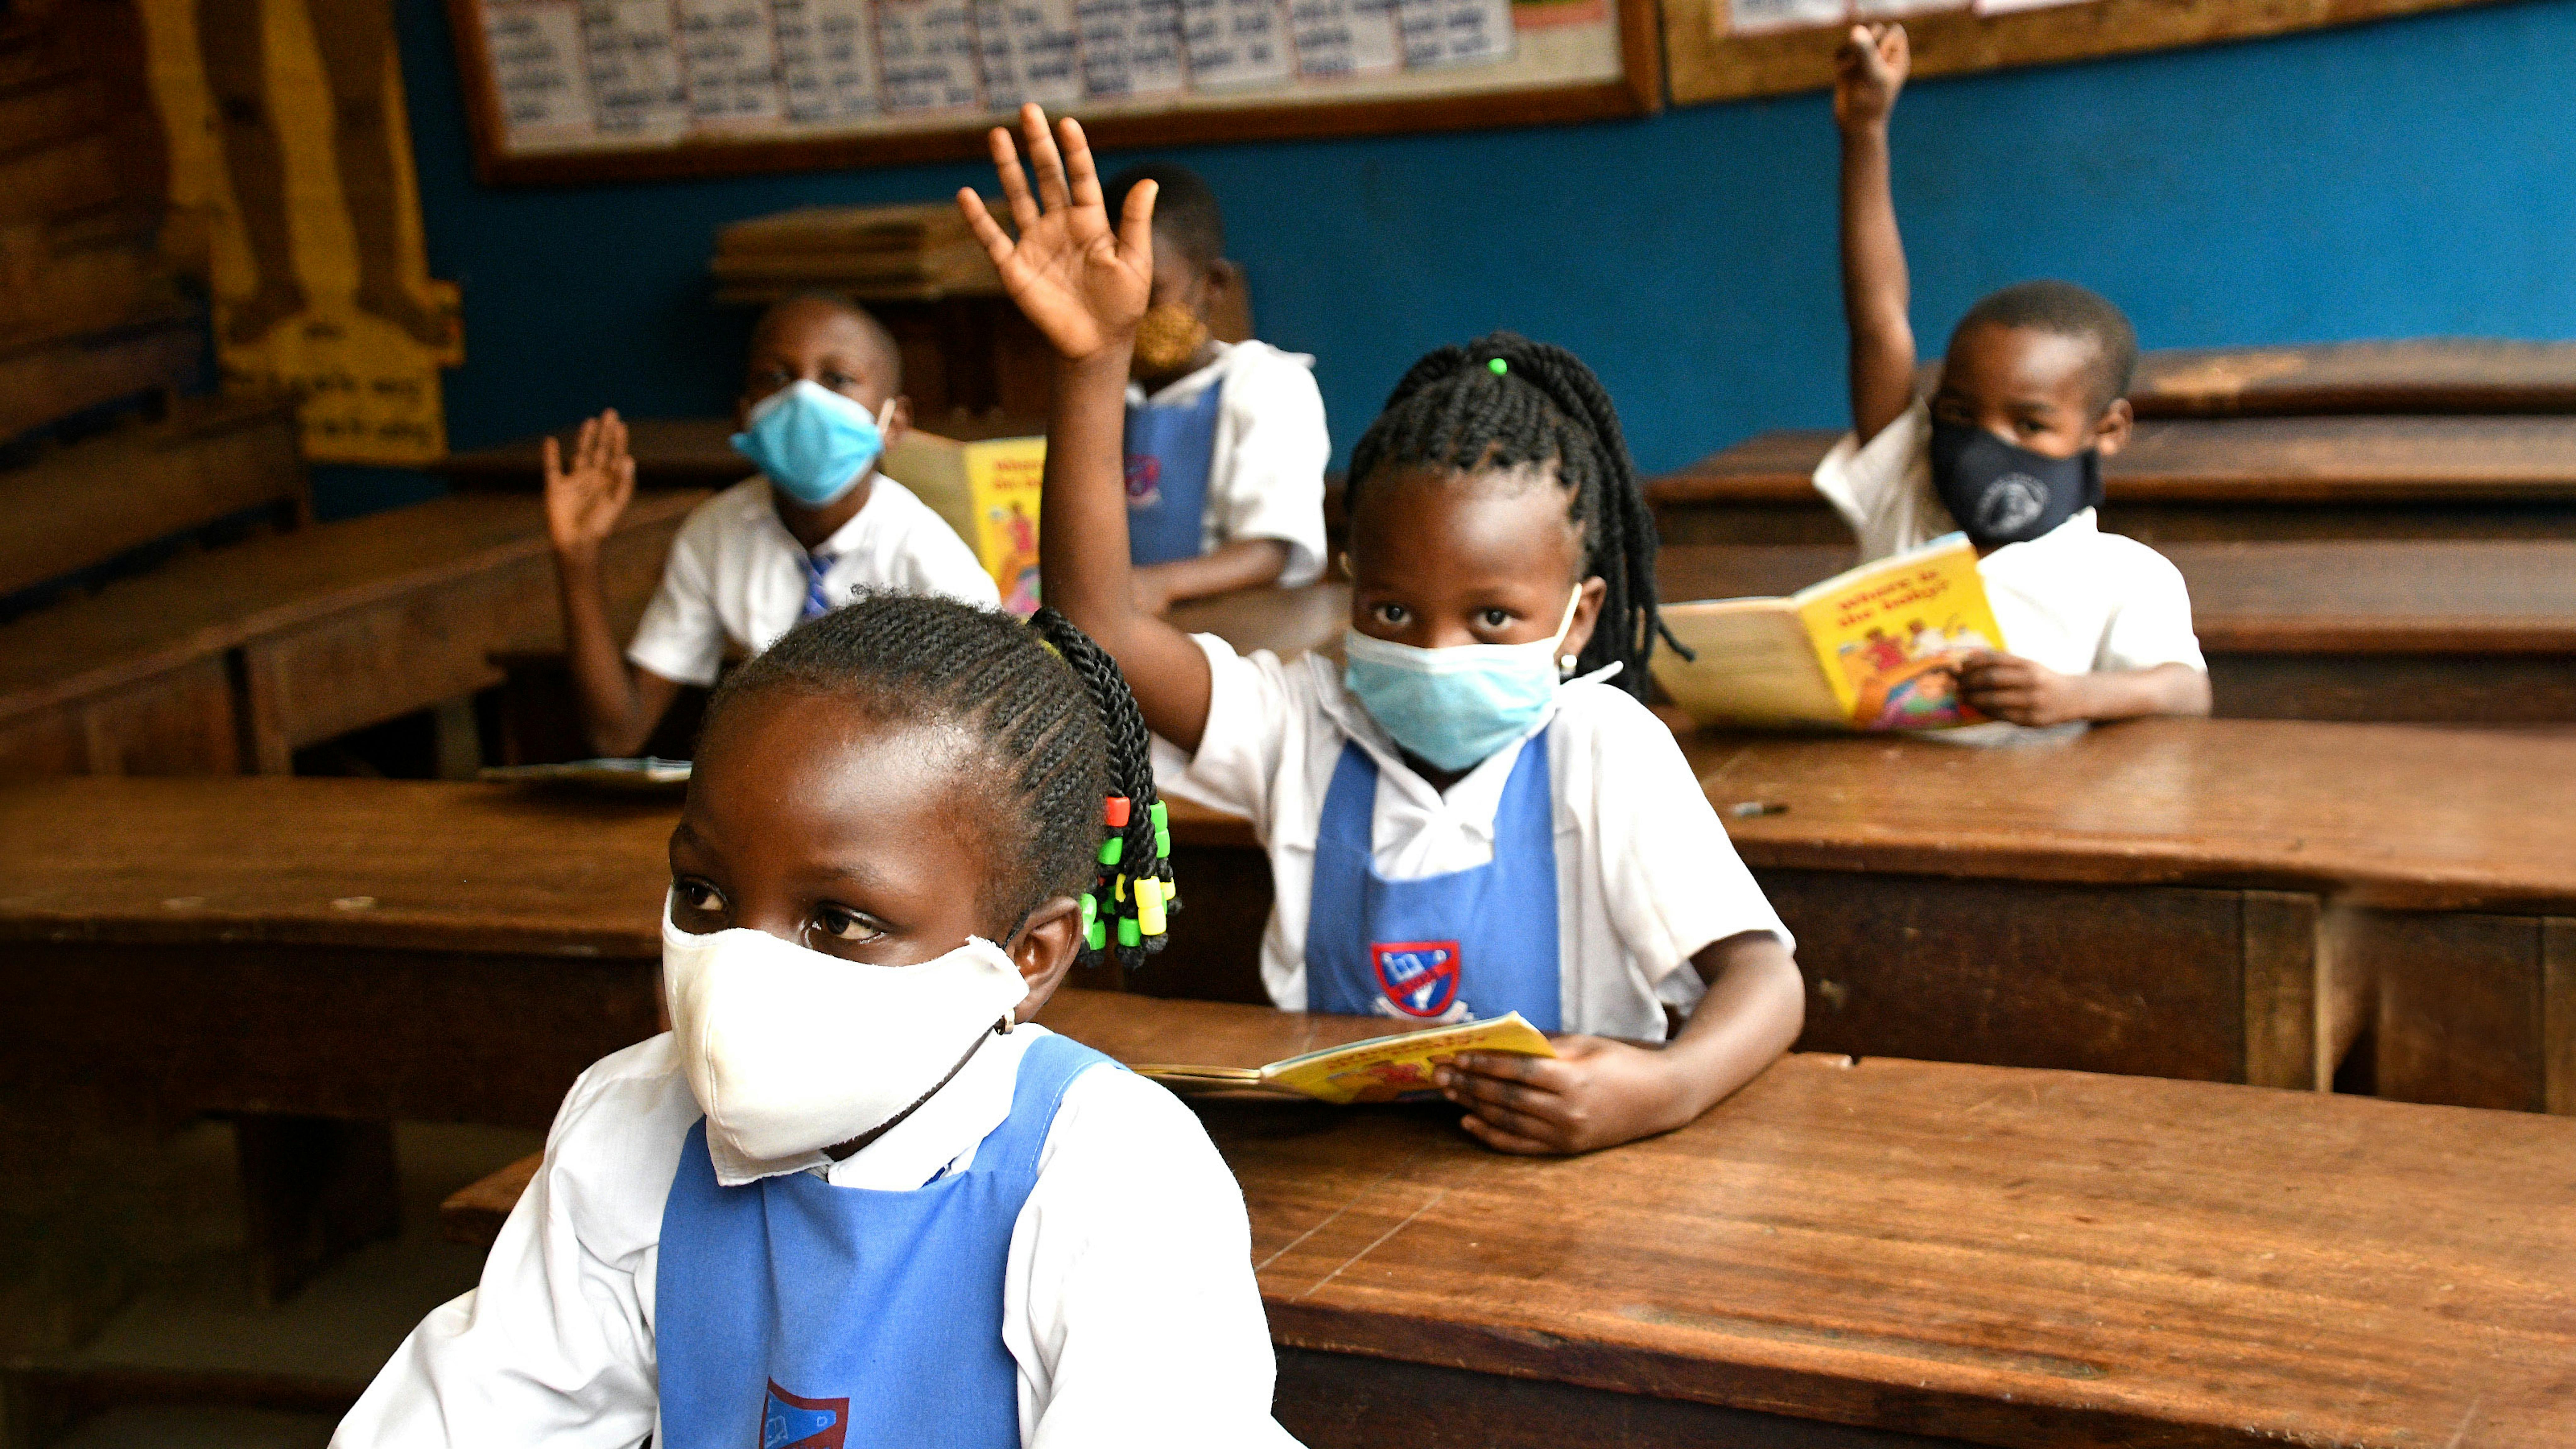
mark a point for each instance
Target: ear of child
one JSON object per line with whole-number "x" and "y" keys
{"x": 1082, "y": 283}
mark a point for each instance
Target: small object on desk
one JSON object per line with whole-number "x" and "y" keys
{"x": 1381, "y": 1069}
{"x": 650, "y": 773}
{"x": 1755, "y": 809}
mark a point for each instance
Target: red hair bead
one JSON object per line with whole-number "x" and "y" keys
{"x": 1116, "y": 814}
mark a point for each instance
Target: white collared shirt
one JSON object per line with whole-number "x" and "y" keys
{"x": 1645, "y": 875}
{"x": 1129, "y": 1303}
{"x": 2075, "y": 599}
{"x": 736, "y": 577}
{"x": 1266, "y": 477}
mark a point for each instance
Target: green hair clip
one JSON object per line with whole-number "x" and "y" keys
{"x": 1499, "y": 366}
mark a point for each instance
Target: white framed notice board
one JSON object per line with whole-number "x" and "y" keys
{"x": 564, "y": 91}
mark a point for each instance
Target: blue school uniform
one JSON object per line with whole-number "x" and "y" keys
{"x": 793, "y": 1314}
{"x": 1171, "y": 448}
{"x": 1468, "y": 944}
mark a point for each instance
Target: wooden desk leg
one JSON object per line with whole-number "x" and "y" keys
{"x": 2282, "y": 1046}
{"x": 264, "y": 745}
{"x": 316, "y": 1187}
{"x": 2558, "y": 1012}
{"x": 459, "y": 738}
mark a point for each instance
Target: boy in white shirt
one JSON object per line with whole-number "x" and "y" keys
{"x": 2008, "y": 450}
{"x": 821, "y": 401}
{"x": 1225, "y": 441}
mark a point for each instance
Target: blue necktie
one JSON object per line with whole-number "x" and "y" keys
{"x": 817, "y": 602}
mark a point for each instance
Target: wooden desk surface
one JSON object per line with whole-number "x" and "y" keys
{"x": 2406, "y": 817}
{"x": 1993, "y": 1255}
{"x": 217, "y": 600}
{"x": 2243, "y": 461}
{"x": 2417, "y": 375}
{"x": 681, "y": 452}
{"x": 2345, "y": 596}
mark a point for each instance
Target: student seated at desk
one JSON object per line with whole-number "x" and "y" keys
{"x": 854, "y": 1195}
{"x": 821, "y": 400}
{"x": 2009, "y": 450}
{"x": 1225, "y": 440}
{"x": 1454, "y": 829}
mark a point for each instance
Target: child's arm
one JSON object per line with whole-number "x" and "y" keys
{"x": 619, "y": 704}
{"x": 1084, "y": 286}
{"x": 2028, "y": 692}
{"x": 1868, "y": 72}
{"x": 1598, "y": 1093}
{"x": 1246, "y": 563}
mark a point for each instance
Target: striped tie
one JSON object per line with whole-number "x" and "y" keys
{"x": 817, "y": 602}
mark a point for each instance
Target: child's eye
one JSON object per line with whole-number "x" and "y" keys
{"x": 697, "y": 896}
{"x": 1388, "y": 613}
{"x": 1495, "y": 618}
{"x": 848, "y": 926}
{"x": 836, "y": 381}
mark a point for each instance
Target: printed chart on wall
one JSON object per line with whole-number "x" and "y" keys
{"x": 713, "y": 85}
{"x": 291, "y": 160}
{"x": 1720, "y": 50}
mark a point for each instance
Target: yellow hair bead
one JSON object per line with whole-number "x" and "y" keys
{"x": 1149, "y": 907}
{"x": 1120, "y": 892}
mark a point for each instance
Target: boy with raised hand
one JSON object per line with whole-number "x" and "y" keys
{"x": 2008, "y": 450}
{"x": 821, "y": 401}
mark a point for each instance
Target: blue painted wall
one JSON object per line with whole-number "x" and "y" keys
{"x": 2406, "y": 178}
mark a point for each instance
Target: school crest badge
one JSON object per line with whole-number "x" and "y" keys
{"x": 788, "y": 1422}
{"x": 1419, "y": 978}
{"x": 1144, "y": 480}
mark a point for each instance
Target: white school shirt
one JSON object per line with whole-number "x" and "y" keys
{"x": 2075, "y": 599}
{"x": 1266, "y": 477}
{"x": 1129, "y": 1302}
{"x": 736, "y": 576}
{"x": 1645, "y": 875}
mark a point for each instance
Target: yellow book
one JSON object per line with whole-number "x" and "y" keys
{"x": 1876, "y": 648}
{"x": 1380, "y": 1069}
{"x": 988, "y": 492}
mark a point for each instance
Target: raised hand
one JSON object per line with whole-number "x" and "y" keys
{"x": 1083, "y": 284}
{"x": 1869, "y": 70}
{"x": 583, "y": 502}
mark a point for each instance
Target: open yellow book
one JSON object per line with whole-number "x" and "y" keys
{"x": 1876, "y": 648}
{"x": 1380, "y": 1069}
{"x": 987, "y": 489}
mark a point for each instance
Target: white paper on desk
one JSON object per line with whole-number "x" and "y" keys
{"x": 1756, "y": 17}
{"x": 729, "y": 58}
{"x": 2007, "y": 7}
{"x": 1235, "y": 42}
{"x": 1899, "y": 9}
{"x": 926, "y": 51}
{"x": 827, "y": 60}
{"x": 633, "y": 51}
{"x": 1343, "y": 37}
{"x": 538, "y": 73}
{"x": 1130, "y": 47}
{"x": 1030, "y": 52}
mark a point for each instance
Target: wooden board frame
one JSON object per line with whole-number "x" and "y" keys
{"x": 1707, "y": 64}
{"x": 1638, "y": 91}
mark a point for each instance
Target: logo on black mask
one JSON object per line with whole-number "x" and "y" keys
{"x": 2001, "y": 494}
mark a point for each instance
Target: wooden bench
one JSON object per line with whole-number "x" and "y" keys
{"x": 1888, "y": 1252}
{"x": 233, "y": 659}
{"x": 2417, "y": 375}
{"x": 2222, "y": 479}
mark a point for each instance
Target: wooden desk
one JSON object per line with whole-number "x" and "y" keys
{"x": 2418, "y": 375}
{"x": 1893, "y": 1253}
{"x": 2420, "y": 631}
{"x": 2225, "y": 479}
{"x": 680, "y": 452}
{"x": 234, "y": 658}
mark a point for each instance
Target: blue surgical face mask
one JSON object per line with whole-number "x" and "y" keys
{"x": 1455, "y": 706}
{"x": 813, "y": 443}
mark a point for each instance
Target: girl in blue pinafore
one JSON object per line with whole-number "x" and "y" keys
{"x": 854, "y": 1197}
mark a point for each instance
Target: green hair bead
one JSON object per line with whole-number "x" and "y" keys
{"x": 1499, "y": 366}
{"x": 1096, "y": 935}
{"x": 1112, "y": 848}
{"x": 1128, "y": 934}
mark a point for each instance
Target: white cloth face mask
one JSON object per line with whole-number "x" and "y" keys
{"x": 789, "y": 1051}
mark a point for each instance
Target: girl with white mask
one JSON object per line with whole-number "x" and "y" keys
{"x": 1473, "y": 812}
{"x": 855, "y": 1195}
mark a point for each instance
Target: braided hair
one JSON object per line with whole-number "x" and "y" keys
{"x": 1503, "y": 401}
{"x": 1069, "y": 769}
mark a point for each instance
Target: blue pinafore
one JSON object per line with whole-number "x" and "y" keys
{"x": 1473, "y": 943}
{"x": 792, "y": 1314}
{"x": 1170, "y": 449}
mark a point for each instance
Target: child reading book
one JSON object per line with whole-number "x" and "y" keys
{"x": 1225, "y": 441}
{"x": 821, "y": 400}
{"x": 854, "y": 1196}
{"x": 2009, "y": 449}
{"x": 1454, "y": 830}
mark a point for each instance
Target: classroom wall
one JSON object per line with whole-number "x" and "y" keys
{"x": 2405, "y": 178}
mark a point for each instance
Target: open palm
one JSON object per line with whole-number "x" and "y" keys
{"x": 1083, "y": 284}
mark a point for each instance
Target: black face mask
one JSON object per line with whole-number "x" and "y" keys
{"x": 2001, "y": 494}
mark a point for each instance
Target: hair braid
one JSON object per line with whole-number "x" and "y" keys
{"x": 1457, "y": 410}
{"x": 1055, "y": 722}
